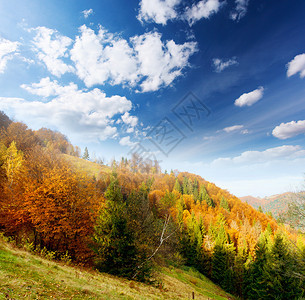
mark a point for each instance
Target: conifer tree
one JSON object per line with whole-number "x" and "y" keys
{"x": 185, "y": 185}
{"x": 113, "y": 240}
{"x": 284, "y": 282}
{"x": 224, "y": 204}
{"x": 219, "y": 264}
{"x": 256, "y": 277}
{"x": 177, "y": 186}
{"x": 204, "y": 196}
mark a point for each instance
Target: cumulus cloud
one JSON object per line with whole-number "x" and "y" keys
{"x": 7, "y": 51}
{"x": 158, "y": 11}
{"x": 271, "y": 154}
{"x": 101, "y": 57}
{"x": 240, "y": 9}
{"x": 160, "y": 63}
{"x": 146, "y": 60}
{"x": 75, "y": 112}
{"x": 297, "y": 65}
{"x": 203, "y": 9}
{"x": 129, "y": 120}
{"x": 288, "y": 130}
{"x": 248, "y": 99}
{"x": 125, "y": 141}
{"x": 220, "y": 64}
{"x": 52, "y": 48}
{"x": 47, "y": 88}
{"x": 87, "y": 12}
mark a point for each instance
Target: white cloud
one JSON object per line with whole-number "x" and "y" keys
{"x": 159, "y": 63}
{"x": 51, "y": 48}
{"x": 271, "y": 154}
{"x": 220, "y": 64}
{"x": 125, "y": 141}
{"x": 129, "y": 120}
{"x": 240, "y": 9}
{"x": 297, "y": 65}
{"x": 147, "y": 61}
{"x": 7, "y": 51}
{"x": 46, "y": 88}
{"x": 101, "y": 57}
{"x": 87, "y": 12}
{"x": 158, "y": 11}
{"x": 249, "y": 99}
{"x": 75, "y": 112}
{"x": 233, "y": 128}
{"x": 203, "y": 9}
{"x": 288, "y": 130}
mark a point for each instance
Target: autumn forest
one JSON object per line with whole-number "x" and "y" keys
{"x": 133, "y": 217}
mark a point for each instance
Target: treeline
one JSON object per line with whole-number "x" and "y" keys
{"x": 134, "y": 216}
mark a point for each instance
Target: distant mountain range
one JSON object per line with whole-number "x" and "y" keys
{"x": 275, "y": 204}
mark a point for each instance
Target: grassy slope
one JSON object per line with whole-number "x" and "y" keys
{"x": 26, "y": 276}
{"x": 91, "y": 168}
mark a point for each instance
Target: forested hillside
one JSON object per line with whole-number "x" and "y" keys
{"x": 131, "y": 217}
{"x": 276, "y": 204}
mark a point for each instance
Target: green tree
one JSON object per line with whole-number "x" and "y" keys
{"x": 256, "y": 276}
{"x": 185, "y": 185}
{"x": 114, "y": 243}
{"x": 204, "y": 196}
{"x": 285, "y": 282}
{"x": 224, "y": 203}
{"x": 177, "y": 186}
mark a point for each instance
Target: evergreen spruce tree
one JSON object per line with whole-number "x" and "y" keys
{"x": 185, "y": 185}
{"x": 190, "y": 190}
{"x": 224, "y": 204}
{"x": 177, "y": 186}
{"x": 256, "y": 277}
{"x": 204, "y": 196}
{"x": 195, "y": 190}
{"x": 113, "y": 240}
{"x": 284, "y": 282}
{"x": 219, "y": 264}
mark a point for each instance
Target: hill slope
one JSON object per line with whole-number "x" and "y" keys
{"x": 275, "y": 204}
{"x": 26, "y": 276}
{"x": 89, "y": 167}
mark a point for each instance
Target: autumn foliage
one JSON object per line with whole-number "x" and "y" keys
{"x": 48, "y": 204}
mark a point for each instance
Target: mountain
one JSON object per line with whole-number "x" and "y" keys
{"x": 275, "y": 204}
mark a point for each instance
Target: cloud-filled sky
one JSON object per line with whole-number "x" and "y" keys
{"x": 214, "y": 87}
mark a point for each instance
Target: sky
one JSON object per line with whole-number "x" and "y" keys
{"x": 212, "y": 87}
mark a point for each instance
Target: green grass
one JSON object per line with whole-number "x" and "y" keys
{"x": 91, "y": 168}
{"x": 26, "y": 276}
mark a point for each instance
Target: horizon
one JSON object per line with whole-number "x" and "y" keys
{"x": 214, "y": 87}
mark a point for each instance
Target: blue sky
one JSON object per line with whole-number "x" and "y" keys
{"x": 207, "y": 86}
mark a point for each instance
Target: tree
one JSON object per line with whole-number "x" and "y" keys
{"x": 256, "y": 280}
{"x": 86, "y": 154}
{"x": 4, "y": 120}
{"x": 284, "y": 281}
{"x": 177, "y": 186}
{"x": 61, "y": 204}
{"x": 295, "y": 215}
{"x": 114, "y": 242}
{"x": 224, "y": 203}
{"x": 185, "y": 185}
{"x": 204, "y": 196}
